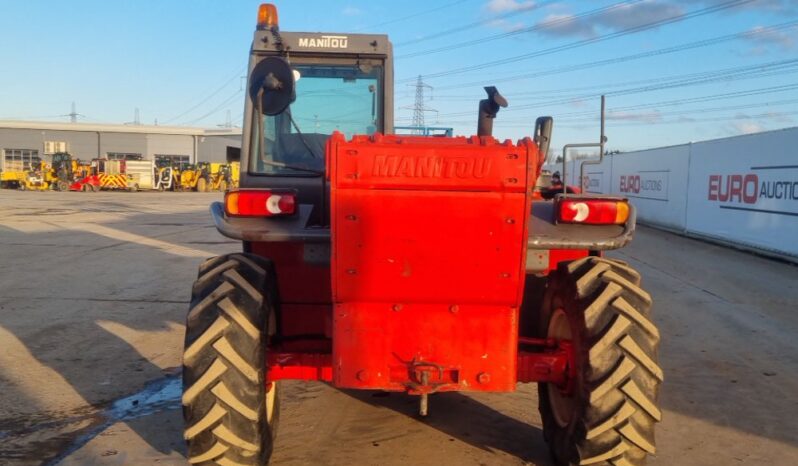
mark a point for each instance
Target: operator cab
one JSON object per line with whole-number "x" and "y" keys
{"x": 301, "y": 88}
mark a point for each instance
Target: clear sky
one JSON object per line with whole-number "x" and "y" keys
{"x": 673, "y": 70}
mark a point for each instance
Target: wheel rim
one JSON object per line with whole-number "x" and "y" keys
{"x": 562, "y": 405}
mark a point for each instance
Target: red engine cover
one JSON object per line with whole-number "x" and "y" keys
{"x": 429, "y": 244}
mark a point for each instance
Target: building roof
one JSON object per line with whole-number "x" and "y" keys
{"x": 109, "y": 128}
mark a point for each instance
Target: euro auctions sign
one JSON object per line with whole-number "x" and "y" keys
{"x": 744, "y": 189}
{"x": 645, "y": 185}
{"x": 771, "y": 189}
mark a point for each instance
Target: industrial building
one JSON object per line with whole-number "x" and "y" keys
{"x": 28, "y": 141}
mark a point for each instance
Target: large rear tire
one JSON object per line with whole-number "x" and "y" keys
{"x": 608, "y": 415}
{"x": 202, "y": 185}
{"x": 230, "y": 415}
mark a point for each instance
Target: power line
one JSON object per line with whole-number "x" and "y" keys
{"x": 700, "y": 120}
{"x": 667, "y": 103}
{"x": 544, "y": 25}
{"x": 611, "y": 117}
{"x": 469, "y": 26}
{"x": 686, "y": 101}
{"x": 629, "y": 91}
{"x": 722, "y": 96}
{"x": 209, "y": 97}
{"x": 614, "y": 124}
{"x": 583, "y": 42}
{"x": 632, "y": 57}
{"x": 726, "y": 95}
{"x": 790, "y": 69}
{"x": 217, "y": 108}
{"x": 724, "y": 74}
{"x": 617, "y": 113}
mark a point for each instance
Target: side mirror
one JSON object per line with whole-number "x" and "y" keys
{"x": 272, "y": 86}
{"x": 543, "y": 127}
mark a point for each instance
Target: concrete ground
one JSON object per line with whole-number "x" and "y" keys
{"x": 94, "y": 289}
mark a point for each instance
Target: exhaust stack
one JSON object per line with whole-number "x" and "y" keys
{"x": 488, "y": 108}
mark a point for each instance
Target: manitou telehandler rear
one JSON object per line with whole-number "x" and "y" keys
{"x": 408, "y": 264}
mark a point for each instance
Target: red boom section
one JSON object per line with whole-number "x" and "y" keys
{"x": 428, "y": 249}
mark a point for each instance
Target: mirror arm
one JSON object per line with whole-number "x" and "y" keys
{"x": 261, "y": 138}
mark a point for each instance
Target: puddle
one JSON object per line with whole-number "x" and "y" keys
{"x": 160, "y": 395}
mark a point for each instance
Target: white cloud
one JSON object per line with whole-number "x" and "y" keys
{"x": 747, "y": 127}
{"x": 778, "y": 6}
{"x": 505, "y": 25}
{"x": 621, "y": 17}
{"x": 767, "y": 36}
{"x": 780, "y": 117}
{"x": 502, "y": 6}
{"x": 566, "y": 25}
{"x": 763, "y": 40}
{"x": 631, "y": 15}
{"x": 351, "y": 11}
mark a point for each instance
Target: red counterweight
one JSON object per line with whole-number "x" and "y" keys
{"x": 428, "y": 253}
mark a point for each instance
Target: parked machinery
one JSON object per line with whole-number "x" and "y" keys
{"x": 221, "y": 178}
{"x": 12, "y": 174}
{"x": 167, "y": 174}
{"x": 38, "y": 178}
{"x": 188, "y": 177}
{"x": 64, "y": 170}
{"x": 235, "y": 174}
{"x": 141, "y": 175}
{"x": 103, "y": 174}
{"x": 196, "y": 177}
{"x": 408, "y": 264}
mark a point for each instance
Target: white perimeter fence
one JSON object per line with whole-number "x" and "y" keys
{"x": 741, "y": 190}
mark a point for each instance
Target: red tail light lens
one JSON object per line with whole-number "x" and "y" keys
{"x": 259, "y": 203}
{"x": 593, "y": 211}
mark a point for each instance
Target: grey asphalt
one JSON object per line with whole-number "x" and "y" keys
{"x": 94, "y": 288}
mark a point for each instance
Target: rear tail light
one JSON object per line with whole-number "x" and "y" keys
{"x": 259, "y": 203}
{"x": 593, "y": 211}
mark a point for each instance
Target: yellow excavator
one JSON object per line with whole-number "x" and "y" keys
{"x": 196, "y": 177}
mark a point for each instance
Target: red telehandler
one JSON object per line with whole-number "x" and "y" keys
{"x": 409, "y": 264}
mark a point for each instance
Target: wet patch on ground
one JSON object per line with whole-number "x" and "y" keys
{"x": 160, "y": 395}
{"x": 57, "y": 435}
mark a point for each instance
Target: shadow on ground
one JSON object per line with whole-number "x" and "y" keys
{"x": 78, "y": 305}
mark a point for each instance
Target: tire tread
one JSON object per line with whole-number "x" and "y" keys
{"x": 224, "y": 363}
{"x": 620, "y": 372}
